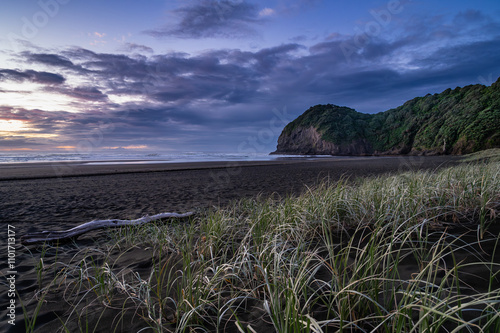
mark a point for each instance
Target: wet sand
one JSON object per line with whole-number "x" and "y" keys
{"x": 38, "y": 196}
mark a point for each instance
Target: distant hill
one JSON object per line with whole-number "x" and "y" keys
{"x": 458, "y": 121}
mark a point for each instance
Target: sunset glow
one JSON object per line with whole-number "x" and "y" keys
{"x": 36, "y": 98}
{"x": 12, "y": 125}
{"x": 66, "y": 147}
{"x": 17, "y": 149}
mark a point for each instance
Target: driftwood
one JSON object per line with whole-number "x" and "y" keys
{"x": 45, "y": 236}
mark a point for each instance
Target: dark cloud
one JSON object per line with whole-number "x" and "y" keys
{"x": 45, "y": 77}
{"x": 21, "y": 142}
{"x": 10, "y": 74}
{"x": 270, "y": 58}
{"x": 84, "y": 93}
{"x": 212, "y": 18}
{"x": 297, "y": 39}
{"x": 464, "y": 63}
{"x": 132, "y": 47}
{"x": 469, "y": 16}
{"x": 3, "y": 91}
{"x": 52, "y": 60}
{"x": 32, "y": 76}
{"x": 49, "y": 59}
{"x": 228, "y": 76}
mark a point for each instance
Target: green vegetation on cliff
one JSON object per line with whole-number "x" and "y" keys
{"x": 458, "y": 121}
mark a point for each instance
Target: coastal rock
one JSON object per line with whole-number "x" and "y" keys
{"x": 457, "y": 121}
{"x": 308, "y": 141}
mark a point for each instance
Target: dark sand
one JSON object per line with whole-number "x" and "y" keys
{"x": 36, "y": 197}
{"x": 41, "y": 195}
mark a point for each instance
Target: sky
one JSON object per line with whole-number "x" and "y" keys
{"x": 85, "y": 76}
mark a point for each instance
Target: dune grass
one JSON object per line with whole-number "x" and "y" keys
{"x": 492, "y": 155}
{"x": 396, "y": 253}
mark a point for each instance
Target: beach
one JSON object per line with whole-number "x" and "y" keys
{"x": 36, "y": 198}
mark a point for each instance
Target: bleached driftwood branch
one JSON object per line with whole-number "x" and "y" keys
{"x": 45, "y": 236}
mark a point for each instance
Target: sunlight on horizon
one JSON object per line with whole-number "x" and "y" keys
{"x": 12, "y": 125}
{"x": 18, "y": 128}
{"x": 29, "y": 96}
{"x": 17, "y": 149}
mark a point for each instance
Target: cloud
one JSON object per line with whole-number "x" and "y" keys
{"x": 37, "y": 123}
{"x": 4, "y": 91}
{"x": 32, "y": 76}
{"x": 84, "y": 93}
{"x": 212, "y": 18}
{"x": 48, "y": 59}
{"x": 52, "y": 60}
{"x": 132, "y": 47}
{"x": 227, "y": 75}
{"x": 20, "y": 143}
{"x": 267, "y": 12}
{"x": 469, "y": 16}
{"x": 10, "y": 74}
{"x": 223, "y": 96}
{"x": 298, "y": 39}
{"x": 333, "y": 36}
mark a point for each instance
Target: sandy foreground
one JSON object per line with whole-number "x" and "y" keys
{"x": 40, "y": 197}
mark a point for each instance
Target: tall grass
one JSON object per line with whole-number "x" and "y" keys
{"x": 385, "y": 254}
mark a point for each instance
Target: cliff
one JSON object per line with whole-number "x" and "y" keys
{"x": 458, "y": 121}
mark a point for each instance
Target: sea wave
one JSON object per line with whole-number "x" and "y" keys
{"x": 149, "y": 156}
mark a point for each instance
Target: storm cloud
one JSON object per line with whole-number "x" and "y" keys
{"x": 31, "y": 76}
{"x": 211, "y": 18}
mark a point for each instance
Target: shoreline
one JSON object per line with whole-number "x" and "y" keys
{"x": 36, "y": 199}
{"x": 61, "y": 169}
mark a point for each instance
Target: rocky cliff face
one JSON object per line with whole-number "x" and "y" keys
{"x": 458, "y": 121}
{"x": 308, "y": 141}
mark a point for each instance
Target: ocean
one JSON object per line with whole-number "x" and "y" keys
{"x": 135, "y": 158}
